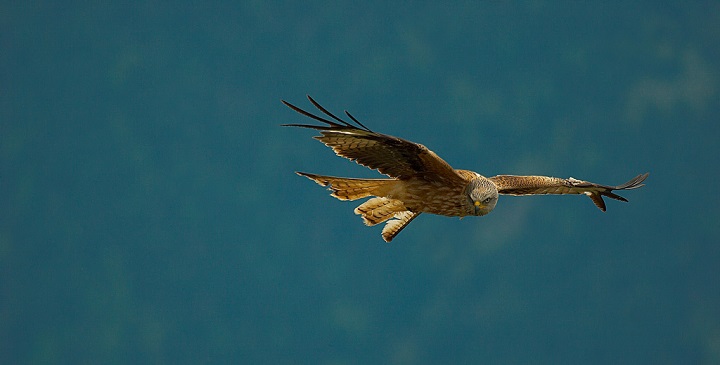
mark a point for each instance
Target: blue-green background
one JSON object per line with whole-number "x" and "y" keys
{"x": 149, "y": 212}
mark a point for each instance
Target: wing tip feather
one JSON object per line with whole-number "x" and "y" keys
{"x": 597, "y": 200}
{"x": 341, "y": 124}
{"x": 634, "y": 183}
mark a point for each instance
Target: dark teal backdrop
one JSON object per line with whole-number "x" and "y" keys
{"x": 149, "y": 212}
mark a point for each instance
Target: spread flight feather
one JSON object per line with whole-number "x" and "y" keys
{"x": 421, "y": 182}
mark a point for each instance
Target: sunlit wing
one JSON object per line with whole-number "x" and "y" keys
{"x": 535, "y": 185}
{"x": 389, "y": 155}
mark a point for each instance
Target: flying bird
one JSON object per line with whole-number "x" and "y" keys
{"x": 421, "y": 182}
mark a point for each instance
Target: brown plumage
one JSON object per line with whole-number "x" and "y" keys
{"x": 421, "y": 182}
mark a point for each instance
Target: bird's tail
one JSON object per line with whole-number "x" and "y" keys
{"x": 351, "y": 189}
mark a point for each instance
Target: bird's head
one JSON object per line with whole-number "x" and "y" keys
{"x": 482, "y": 196}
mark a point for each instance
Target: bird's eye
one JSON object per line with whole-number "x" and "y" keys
{"x": 487, "y": 200}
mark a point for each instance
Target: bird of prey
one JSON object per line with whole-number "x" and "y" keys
{"x": 421, "y": 182}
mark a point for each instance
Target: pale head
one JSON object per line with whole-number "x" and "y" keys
{"x": 482, "y": 195}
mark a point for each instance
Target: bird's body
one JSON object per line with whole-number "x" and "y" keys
{"x": 421, "y": 182}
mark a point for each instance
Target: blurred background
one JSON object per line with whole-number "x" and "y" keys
{"x": 149, "y": 212}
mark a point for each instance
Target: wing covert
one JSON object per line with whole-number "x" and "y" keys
{"x": 392, "y": 156}
{"x": 535, "y": 185}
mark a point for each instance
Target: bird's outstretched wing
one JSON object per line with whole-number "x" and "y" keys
{"x": 533, "y": 185}
{"x": 392, "y": 156}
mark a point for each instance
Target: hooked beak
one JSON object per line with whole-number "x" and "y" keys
{"x": 478, "y": 205}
